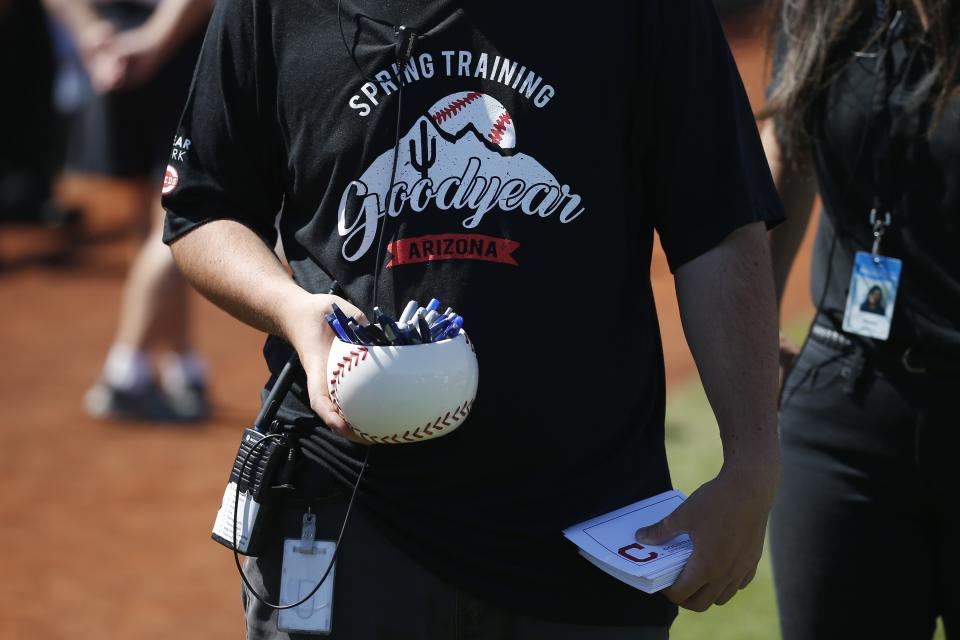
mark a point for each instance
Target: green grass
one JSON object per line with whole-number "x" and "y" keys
{"x": 693, "y": 448}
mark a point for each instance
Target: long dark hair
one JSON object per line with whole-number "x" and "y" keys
{"x": 818, "y": 36}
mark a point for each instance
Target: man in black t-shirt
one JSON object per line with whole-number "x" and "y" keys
{"x": 553, "y": 146}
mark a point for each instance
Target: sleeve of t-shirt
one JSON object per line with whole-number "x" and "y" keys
{"x": 705, "y": 173}
{"x": 225, "y": 160}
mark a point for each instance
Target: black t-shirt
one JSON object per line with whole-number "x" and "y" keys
{"x": 922, "y": 178}
{"x": 538, "y": 152}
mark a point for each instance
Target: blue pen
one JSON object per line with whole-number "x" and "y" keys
{"x": 435, "y": 320}
{"x": 345, "y": 331}
{"x": 438, "y": 329}
{"x": 433, "y": 305}
{"x": 454, "y": 329}
{"x": 342, "y": 317}
{"x": 335, "y": 325}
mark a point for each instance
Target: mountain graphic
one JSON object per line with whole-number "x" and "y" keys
{"x": 427, "y": 151}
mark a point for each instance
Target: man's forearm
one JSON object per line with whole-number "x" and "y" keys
{"x": 729, "y": 317}
{"x": 230, "y": 265}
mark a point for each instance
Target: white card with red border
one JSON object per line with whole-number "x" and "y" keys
{"x": 609, "y": 542}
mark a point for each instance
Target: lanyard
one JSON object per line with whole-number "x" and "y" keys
{"x": 881, "y": 120}
{"x": 890, "y": 136}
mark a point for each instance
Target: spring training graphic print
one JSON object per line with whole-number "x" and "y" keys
{"x": 461, "y": 158}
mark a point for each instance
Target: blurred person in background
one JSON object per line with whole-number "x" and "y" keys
{"x": 864, "y": 528}
{"x": 27, "y": 154}
{"x": 140, "y": 58}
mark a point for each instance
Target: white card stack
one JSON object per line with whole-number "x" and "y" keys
{"x": 609, "y": 542}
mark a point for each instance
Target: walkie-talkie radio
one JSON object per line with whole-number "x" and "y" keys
{"x": 244, "y": 519}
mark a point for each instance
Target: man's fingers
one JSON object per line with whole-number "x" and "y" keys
{"x": 728, "y": 592}
{"x": 658, "y": 533}
{"x": 702, "y": 599}
{"x": 690, "y": 581}
{"x": 327, "y": 411}
{"x": 747, "y": 579}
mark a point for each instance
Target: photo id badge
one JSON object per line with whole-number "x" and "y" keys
{"x": 872, "y": 296}
{"x": 305, "y": 560}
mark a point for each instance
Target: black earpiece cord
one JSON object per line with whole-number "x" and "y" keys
{"x": 405, "y": 44}
{"x": 336, "y": 549}
{"x": 406, "y": 39}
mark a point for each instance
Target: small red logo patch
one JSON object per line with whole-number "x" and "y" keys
{"x": 170, "y": 180}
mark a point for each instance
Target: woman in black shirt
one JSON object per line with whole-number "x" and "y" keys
{"x": 865, "y": 530}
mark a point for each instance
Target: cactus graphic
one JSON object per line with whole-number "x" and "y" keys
{"x": 428, "y": 157}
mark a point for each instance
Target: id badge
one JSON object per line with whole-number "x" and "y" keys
{"x": 872, "y": 295}
{"x": 305, "y": 560}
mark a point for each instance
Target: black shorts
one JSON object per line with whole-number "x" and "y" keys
{"x": 129, "y": 133}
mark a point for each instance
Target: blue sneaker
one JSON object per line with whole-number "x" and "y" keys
{"x": 148, "y": 403}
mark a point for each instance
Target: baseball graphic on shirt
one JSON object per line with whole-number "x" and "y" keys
{"x": 485, "y": 114}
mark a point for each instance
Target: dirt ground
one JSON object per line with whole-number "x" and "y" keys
{"x": 104, "y": 528}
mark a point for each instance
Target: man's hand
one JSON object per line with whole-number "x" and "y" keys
{"x": 726, "y": 518}
{"x": 311, "y": 336}
{"x": 229, "y": 264}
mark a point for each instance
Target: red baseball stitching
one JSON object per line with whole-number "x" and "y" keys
{"x": 447, "y": 420}
{"x": 499, "y": 128}
{"x": 355, "y": 357}
{"x": 455, "y": 107}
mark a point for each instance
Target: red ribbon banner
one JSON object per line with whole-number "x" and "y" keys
{"x": 452, "y": 246}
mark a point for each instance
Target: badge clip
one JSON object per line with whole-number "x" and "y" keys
{"x": 308, "y": 533}
{"x": 879, "y": 228}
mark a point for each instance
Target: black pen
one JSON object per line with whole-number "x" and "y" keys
{"x": 377, "y": 335}
{"x": 345, "y": 324}
{"x": 362, "y": 336}
{"x": 391, "y": 329}
{"x": 423, "y": 327}
{"x": 410, "y": 335}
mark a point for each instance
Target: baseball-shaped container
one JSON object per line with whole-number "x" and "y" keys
{"x": 402, "y": 394}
